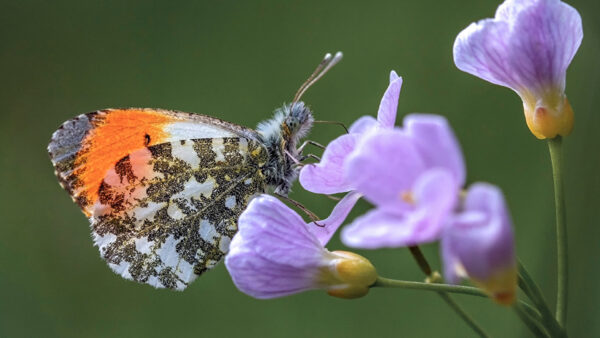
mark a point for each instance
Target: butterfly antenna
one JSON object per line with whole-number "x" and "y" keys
{"x": 322, "y": 68}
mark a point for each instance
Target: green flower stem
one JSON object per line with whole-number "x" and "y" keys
{"x": 394, "y": 283}
{"x": 555, "y": 147}
{"x": 462, "y": 314}
{"x": 530, "y": 320}
{"x": 528, "y": 285}
{"x": 435, "y": 278}
{"x": 421, "y": 260}
{"x": 441, "y": 290}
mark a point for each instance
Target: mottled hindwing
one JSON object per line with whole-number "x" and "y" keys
{"x": 166, "y": 212}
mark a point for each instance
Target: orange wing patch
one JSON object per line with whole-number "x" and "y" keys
{"x": 118, "y": 134}
{"x": 83, "y": 149}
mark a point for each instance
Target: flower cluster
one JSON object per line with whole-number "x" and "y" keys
{"x": 415, "y": 175}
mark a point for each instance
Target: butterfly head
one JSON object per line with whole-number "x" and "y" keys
{"x": 281, "y": 134}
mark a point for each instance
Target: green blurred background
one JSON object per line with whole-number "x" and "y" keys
{"x": 239, "y": 61}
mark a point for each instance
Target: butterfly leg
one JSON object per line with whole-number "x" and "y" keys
{"x": 336, "y": 123}
{"x": 334, "y": 198}
{"x": 313, "y": 156}
{"x": 304, "y": 209}
{"x": 307, "y": 142}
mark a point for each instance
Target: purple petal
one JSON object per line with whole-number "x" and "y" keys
{"x": 363, "y": 124}
{"x": 436, "y": 143}
{"x": 327, "y": 176}
{"x": 389, "y": 102}
{"x": 262, "y": 278}
{"x": 453, "y": 269}
{"x": 327, "y": 227}
{"x": 481, "y": 237}
{"x": 278, "y": 234}
{"x": 480, "y": 50}
{"x": 376, "y": 229}
{"x": 384, "y": 164}
{"x": 435, "y": 195}
{"x": 527, "y": 46}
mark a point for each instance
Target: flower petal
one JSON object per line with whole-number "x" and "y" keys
{"x": 327, "y": 176}
{"x": 277, "y": 233}
{"x": 363, "y": 124}
{"x": 435, "y": 195}
{"x": 436, "y": 143}
{"x": 389, "y": 102}
{"x": 481, "y": 237}
{"x": 327, "y": 227}
{"x": 384, "y": 164}
{"x": 527, "y": 46}
{"x": 262, "y": 278}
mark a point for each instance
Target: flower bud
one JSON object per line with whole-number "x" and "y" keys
{"x": 479, "y": 244}
{"x": 548, "y": 117}
{"x": 350, "y": 275}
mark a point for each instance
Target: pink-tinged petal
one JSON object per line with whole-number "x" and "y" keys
{"x": 327, "y": 176}
{"x": 274, "y": 231}
{"x": 479, "y": 243}
{"x": 376, "y": 229}
{"x": 480, "y": 50}
{"x": 327, "y": 227}
{"x": 263, "y": 278}
{"x": 363, "y": 124}
{"x": 436, "y": 194}
{"x": 453, "y": 269}
{"x": 527, "y": 46}
{"x": 386, "y": 116}
{"x": 544, "y": 40}
{"x": 274, "y": 254}
{"x": 436, "y": 143}
{"x": 434, "y": 197}
{"x": 384, "y": 165}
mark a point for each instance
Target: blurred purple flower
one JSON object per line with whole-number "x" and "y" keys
{"x": 412, "y": 175}
{"x": 527, "y": 47}
{"x": 327, "y": 176}
{"x": 275, "y": 253}
{"x": 478, "y": 243}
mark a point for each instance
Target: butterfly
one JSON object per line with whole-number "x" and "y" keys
{"x": 163, "y": 189}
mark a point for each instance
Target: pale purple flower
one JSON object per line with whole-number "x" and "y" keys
{"x": 527, "y": 47}
{"x": 327, "y": 176}
{"x": 412, "y": 175}
{"x": 275, "y": 253}
{"x": 478, "y": 243}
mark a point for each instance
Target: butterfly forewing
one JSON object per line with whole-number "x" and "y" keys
{"x": 85, "y": 147}
{"x": 166, "y": 213}
{"x": 163, "y": 189}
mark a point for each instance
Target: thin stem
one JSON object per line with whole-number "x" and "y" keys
{"x": 435, "y": 278}
{"x": 394, "y": 283}
{"x": 555, "y": 147}
{"x": 441, "y": 289}
{"x": 530, "y": 321}
{"x": 528, "y": 285}
{"x": 421, "y": 260}
{"x": 462, "y": 314}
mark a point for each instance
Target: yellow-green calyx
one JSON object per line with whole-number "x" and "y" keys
{"x": 501, "y": 286}
{"x": 548, "y": 115}
{"x": 348, "y": 276}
